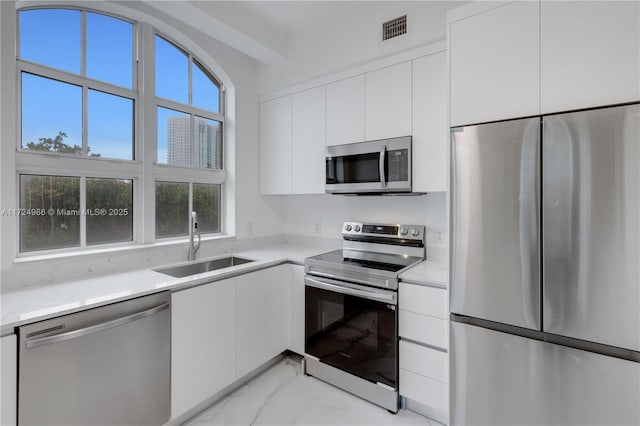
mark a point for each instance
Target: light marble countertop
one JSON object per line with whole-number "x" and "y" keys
{"x": 430, "y": 272}
{"x": 24, "y": 305}
{"x": 36, "y": 303}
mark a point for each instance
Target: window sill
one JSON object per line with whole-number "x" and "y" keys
{"x": 27, "y": 258}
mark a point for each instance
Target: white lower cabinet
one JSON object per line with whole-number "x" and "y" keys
{"x": 423, "y": 351}
{"x": 297, "y": 308}
{"x": 8, "y": 380}
{"x": 424, "y": 328}
{"x": 260, "y": 317}
{"x": 203, "y": 350}
{"x": 431, "y": 394}
{"x": 425, "y": 361}
{"x": 226, "y": 329}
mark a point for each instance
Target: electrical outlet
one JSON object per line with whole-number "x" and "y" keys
{"x": 440, "y": 238}
{"x": 317, "y": 228}
{"x": 249, "y": 228}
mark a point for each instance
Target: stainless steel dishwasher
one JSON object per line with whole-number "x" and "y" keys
{"x": 104, "y": 366}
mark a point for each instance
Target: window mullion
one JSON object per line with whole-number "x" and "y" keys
{"x": 190, "y": 77}
{"x": 188, "y": 109}
{"x": 85, "y": 121}
{"x": 192, "y": 121}
{"x": 190, "y": 204}
{"x": 66, "y": 77}
{"x": 83, "y": 209}
{"x": 83, "y": 44}
{"x": 147, "y": 132}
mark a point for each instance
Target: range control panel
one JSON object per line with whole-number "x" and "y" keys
{"x": 397, "y": 231}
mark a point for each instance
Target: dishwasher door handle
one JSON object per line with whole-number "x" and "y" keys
{"x": 69, "y": 335}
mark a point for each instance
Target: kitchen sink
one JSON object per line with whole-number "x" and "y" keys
{"x": 204, "y": 266}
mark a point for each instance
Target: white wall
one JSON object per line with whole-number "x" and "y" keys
{"x": 353, "y": 38}
{"x": 303, "y": 214}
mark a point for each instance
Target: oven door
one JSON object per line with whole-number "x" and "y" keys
{"x": 352, "y": 328}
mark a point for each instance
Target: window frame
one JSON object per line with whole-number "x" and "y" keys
{"x": 143, "y": 169}
{"x": 81, "y": 80}
{"x": 189, "y": 108}
{"x": 164, "y": 172}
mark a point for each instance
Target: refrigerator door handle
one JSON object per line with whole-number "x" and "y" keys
{"x": 530, "y": 222}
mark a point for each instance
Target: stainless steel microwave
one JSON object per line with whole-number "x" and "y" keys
{"x": 374, "y": 167}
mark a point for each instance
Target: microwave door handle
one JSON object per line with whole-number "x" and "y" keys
{"x": 383, "y": 178}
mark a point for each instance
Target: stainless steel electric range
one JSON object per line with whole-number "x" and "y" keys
{"x": 351, "y": 320}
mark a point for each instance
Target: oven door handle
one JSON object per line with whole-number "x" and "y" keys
{"x": 384, "y": 297}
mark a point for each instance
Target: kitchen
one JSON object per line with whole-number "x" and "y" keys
{"x": 290, "y": 89}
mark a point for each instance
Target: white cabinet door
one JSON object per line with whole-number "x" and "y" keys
{"x": 590, "y": 53}
{"x": 388, "y": 102}
{"x": 494, "y": 64}
{"x": 202, "y": 343}
{"x": 261, "y": 327}
{"x": 345, "y": 111}
{"x": 8, "y": 382}
{"x": 275, "y": 146}
{"x": 308, "y": 141}
{"x": 297, "y": 317}
{"x": 430, "y": 129}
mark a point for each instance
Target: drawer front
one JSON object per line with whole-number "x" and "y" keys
{"x": 424, "y": 361}
{"x": 424, "y": 329}
{"x": 430, "y": 393}
{"x": 423, "y": 300}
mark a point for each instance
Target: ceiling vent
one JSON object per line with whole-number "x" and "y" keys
{"x": 394, "y": 28}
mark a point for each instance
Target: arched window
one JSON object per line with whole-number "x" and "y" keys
{"x": 92, "y": 134}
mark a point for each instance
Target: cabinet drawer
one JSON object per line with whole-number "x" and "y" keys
{"x": 424, "y": 361}
{"x": 424, "y": 329}
{"x": 430, "y": 393}
{"x": 423, "y": 300}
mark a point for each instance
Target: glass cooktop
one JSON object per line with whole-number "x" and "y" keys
{"x": 369, "y": 260}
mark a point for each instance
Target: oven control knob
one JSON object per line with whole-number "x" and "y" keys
{"x": 415, "y": 232}
{"x": 404, "y": 231}
{"x": 347, "y": 228}
{"x": 356, "y": 228}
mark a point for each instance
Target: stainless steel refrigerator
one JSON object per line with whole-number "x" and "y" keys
{"x": 545, "y": 276}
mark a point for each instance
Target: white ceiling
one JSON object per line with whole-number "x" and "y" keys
{"x": 294, "y": 16}
{"x": 261, "y": 29}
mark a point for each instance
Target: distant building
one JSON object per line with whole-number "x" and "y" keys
{"x": 207, "y": 144}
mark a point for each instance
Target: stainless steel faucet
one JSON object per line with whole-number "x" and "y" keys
{"x": 193, "y": 230}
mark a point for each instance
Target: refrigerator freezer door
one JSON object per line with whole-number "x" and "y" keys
{"x": 591, "y": 234}
{"x": 495, "y": 222}
{"x": 502, "y": 379}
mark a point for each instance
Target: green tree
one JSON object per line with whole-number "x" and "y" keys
{"x": 57, "y": 144}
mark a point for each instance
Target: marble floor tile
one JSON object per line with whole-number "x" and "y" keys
{"x": 282, "y": 395}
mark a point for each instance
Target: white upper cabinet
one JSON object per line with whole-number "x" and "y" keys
{"x": 345, "y": 111}
{"x": 388, "y": 102}
{"x": 275, "y": 146}
{"x": 308, "y": 141}
{"x": 430, "y": 130}
{"x": 590, "y": 53}
{"x": 494, "y": 64}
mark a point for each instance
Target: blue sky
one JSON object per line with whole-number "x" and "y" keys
{"x": 52, "y": 37}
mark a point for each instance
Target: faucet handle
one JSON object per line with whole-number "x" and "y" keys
{"x": 195, "y": 230}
